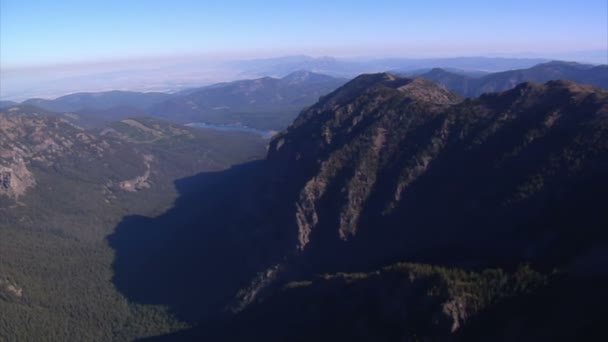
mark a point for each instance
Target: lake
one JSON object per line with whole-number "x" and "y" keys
{"x": 234, "y": 128}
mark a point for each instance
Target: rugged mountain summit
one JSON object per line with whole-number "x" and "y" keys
{"x": 353, "y": 128}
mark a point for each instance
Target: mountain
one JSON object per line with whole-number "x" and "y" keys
{"x": 6, "y": 104}
{"x": 349, "y": 68}
{"x": 496, "y": 82}
{"x": 99, "y": 101}
{"x": 264, "y": 103}
{"x": 94, "y": 110}
{"x": 391, "y": 154}
{"x": 393, "y": 209}
{"x": 461, "y": 72}
{"x": 62, "y": 191}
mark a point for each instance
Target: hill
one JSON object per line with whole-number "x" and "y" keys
{"x": 264, "y": 103}
{"x": 99, "y": 101}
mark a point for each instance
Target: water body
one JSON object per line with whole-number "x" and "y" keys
{"x": 234, "y": 128}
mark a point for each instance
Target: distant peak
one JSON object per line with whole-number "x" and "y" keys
{"x": 379, "y": 77}
{"x": 418, "y": 89}
{"x": 557, "y": 63}
{"x": 298, "y": 74}
{"x": 304, "y": 75}
{"x": 424, "y": 90}
{"x": 571, "y": 86}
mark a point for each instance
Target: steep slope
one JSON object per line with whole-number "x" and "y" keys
{"x": 498, "y": 181}
{"x": 265, "y": 103}
{"x": 494, "y": 203}
{"x": 501, "y": 81}
{"x": 388, "y": 158}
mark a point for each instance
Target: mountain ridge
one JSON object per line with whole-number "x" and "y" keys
{"x": 501, "y": 189}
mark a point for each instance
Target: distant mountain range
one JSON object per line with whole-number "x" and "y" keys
{"x": 183, "y": 73}
{"x": 96, "y": 101}
{"x": 469, "y": 86}
{"x": 272, "y": 103}
{"x": 350, "y": 68}
{"x": 264, "y": 103}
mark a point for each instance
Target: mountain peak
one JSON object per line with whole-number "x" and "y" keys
{"x": 303, "y": 75}
{"x": 564, "y": 64}
{"x": 437, "y": 71}
{"x": 417, "y": 89}
{"x": 424, "y": 90}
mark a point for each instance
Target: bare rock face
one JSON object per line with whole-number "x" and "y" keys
{"x": 10, "y": 290}
{"x": 139, "y": 182}
{"x": 456, "y": 313}
{"x": 15, "y": 178}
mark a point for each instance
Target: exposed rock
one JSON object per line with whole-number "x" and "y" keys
{"x": 15, "y": 178}
{"x": 10, "y": 289}
{"x": 139, "y": 182}
{"x": 456, "y": 312}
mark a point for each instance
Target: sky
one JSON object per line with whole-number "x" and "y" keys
{"x": 64, "y": 32}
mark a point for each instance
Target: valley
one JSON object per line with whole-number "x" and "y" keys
{"x": 303, "y": 171}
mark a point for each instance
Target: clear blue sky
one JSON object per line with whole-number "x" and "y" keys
{"x": 64, "y": 31}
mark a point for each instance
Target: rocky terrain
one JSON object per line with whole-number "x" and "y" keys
{"x": 38, "y": 141}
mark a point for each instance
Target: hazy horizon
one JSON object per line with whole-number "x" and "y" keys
{"x": 51, "y": 48}
{"x": 50, "y": 32}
